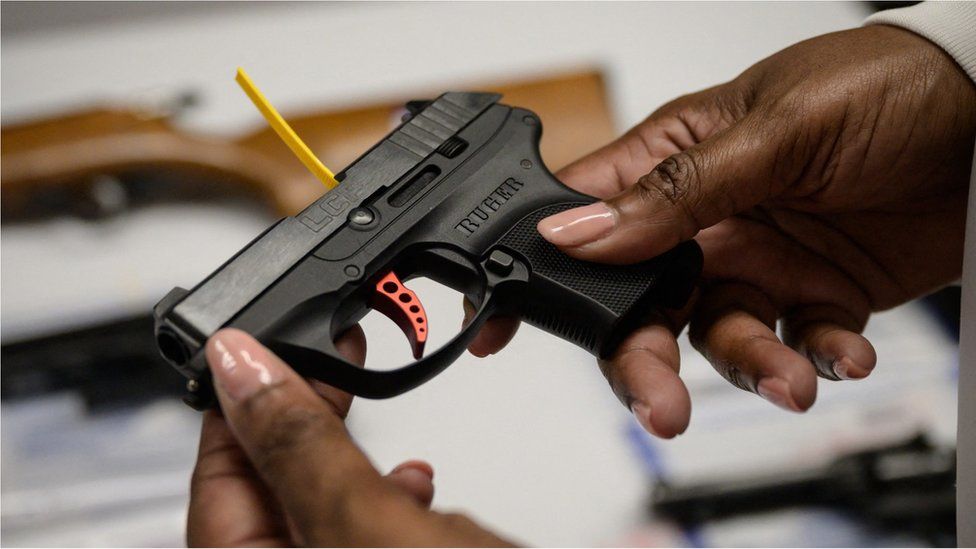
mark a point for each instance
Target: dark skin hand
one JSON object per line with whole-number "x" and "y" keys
{"x": 279, "y": 469}
{"x": 824, "y": 183}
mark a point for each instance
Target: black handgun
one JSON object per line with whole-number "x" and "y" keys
{"x": 906, "y": 486}
{"x": 453, "y": 194}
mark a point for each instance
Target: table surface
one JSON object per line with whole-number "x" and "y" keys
{"x": 529, "y": 441}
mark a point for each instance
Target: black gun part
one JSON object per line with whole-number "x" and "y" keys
{"x": 906, "y": 487}
{"x": 454, "y": 194}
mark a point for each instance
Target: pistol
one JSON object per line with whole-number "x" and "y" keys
{"x": 453, "y": 194}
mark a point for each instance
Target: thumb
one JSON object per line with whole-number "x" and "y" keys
{"x": 693, "y": 189}
{"x": 295, "y": 440}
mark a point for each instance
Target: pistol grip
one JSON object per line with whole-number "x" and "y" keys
{"x": 596, "y": 305}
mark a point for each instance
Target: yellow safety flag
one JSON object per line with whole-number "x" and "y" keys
{"x": 285, "y": 132}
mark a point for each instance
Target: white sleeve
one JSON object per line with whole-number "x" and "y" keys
{"x": 966, "y": 430}
{"x": 950, "y": 25}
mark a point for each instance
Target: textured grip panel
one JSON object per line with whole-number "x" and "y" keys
{"x": 540, "y": 314}
{"x": 615, "y": 286}
{"x": 591, "y": 304}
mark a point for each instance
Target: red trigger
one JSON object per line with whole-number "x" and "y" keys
{"x": 401, "y": 305}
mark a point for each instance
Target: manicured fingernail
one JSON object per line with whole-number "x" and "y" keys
{"x": 845, "y": 368}
{"x": 642, "y": 412}
{"x": 578, "y": 226}
{"x": 777, "y": 391}
{"x": 240, "y": 365}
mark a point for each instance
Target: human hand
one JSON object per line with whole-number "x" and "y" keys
{"x": 279, "y": 468}
{"x": 825, "y": 182}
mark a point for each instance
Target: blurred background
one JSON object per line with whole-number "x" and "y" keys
{"x": 132, "y": 163}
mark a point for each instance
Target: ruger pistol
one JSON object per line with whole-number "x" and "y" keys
{"x": 453, "y": 194}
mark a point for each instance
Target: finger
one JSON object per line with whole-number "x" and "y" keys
{"x": 827, "y": 336}
{"x": 416, "y": 479}
{"x": 643, "y": 373}
{"x": 674, "y": 127}
{"x": 352, "y": 345}
{"x": 229, "y": 506}
{"x": 299, "y": 446}
{"x": 693, "y": 189}
{"x": 493, "y": 336}
{"x": 295, "y": 440}
{"x": 732, "y": 326}
{"x": 791, "y": 275}
{"x": 614, "y": 167}
{"x": 610, "y": 169}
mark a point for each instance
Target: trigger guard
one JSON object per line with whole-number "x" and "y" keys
{"x": 328, "y": 366}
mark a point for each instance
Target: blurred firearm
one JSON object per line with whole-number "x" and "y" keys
{"x": 906, "y": 487}
{"x": 95, "y": 162}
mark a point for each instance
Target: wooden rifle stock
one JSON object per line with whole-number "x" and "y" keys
{"x": 61, "y": 164}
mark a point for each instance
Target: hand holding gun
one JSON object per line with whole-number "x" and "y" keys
{"x": 453, "y": 194}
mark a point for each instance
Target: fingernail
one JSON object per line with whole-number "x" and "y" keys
{"x": 578, "y": 226}
{"x": 777, "y": 391}
{"x": 240, "y": 365}
{"x": 421, "y": 467}
{"x": 642, "y": 412}
{"x": 845, "y": 368}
